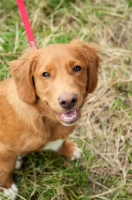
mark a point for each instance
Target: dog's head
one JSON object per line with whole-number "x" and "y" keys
{"x": 61, "y": 75}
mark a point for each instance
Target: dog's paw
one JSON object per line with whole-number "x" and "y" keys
{"x": 18, "y": 162}
{"x": 70, "y": 151}
{"x": 76, "y": 154}
{"x": 11, "y": 192}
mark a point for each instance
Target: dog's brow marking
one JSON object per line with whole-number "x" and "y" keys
{"x": 55, "y": 145}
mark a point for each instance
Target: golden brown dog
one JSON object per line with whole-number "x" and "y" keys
{"x": 41, "y": 103}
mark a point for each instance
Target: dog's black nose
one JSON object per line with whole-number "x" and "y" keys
{"x": 67, "y": 100}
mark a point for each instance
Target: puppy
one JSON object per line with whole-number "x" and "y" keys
{"x": 41, "y": 103}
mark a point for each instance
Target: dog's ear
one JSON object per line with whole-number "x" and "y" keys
{"x": 22, "y": 71}
{"x": 89, "y": 52}
{"x": 93, "y": 65}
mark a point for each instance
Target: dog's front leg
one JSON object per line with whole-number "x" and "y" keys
{"x": 70, "y": 150}
{"x": 65, "y": 148}
{"x": 7, "y": 165}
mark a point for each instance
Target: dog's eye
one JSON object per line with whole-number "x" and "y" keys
{"x": 45, "y": 74}
{"x": 76, "y": 68}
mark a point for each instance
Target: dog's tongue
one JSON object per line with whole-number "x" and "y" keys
{"x": 69, "y": 117}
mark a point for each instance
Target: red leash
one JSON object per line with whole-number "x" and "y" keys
{"x": 24, "y": 17}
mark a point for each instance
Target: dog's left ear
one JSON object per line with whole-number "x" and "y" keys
{"x": 93, "y": 60}
{"x": 22, "y": 71}
{"x": 89, "y": 53}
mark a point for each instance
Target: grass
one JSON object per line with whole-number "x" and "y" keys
{"x": 105, "y": 131}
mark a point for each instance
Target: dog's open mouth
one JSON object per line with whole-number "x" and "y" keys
{"x": 69, "y": 118}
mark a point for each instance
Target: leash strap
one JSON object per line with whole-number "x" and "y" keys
{"x": 27, "y": 26}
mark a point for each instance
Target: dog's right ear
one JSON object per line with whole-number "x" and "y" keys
{"x": 22, "y": 71}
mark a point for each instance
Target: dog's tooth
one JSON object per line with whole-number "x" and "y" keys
{"x": 68, "y": 118}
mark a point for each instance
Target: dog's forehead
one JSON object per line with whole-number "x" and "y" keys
{"x": 53, "y": 51}
{"x": 60, "y": 53}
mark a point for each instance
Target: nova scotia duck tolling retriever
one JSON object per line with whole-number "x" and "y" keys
{"x": 41, "y": 104}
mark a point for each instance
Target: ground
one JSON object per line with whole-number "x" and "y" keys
{"x": 105, "y": 130}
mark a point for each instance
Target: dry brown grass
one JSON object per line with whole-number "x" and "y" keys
{"x": 107, "y": 116}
